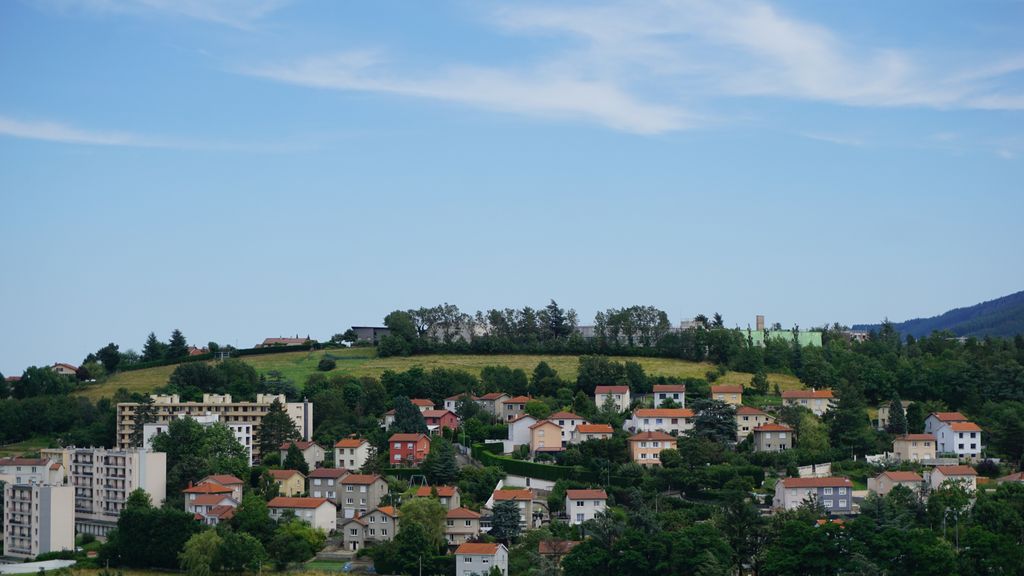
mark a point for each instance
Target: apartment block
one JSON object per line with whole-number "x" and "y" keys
{"x": 38, "y": 518}
{"x": 31, "y": 471}
{"x": 241, "y": 430}
{"x": 229, "y": 412}
{"x": 103, "y": 479}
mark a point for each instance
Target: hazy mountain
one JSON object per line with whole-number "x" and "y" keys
{"x": 1000, "y": 317}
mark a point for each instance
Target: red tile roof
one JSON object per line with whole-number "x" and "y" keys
{"x": 223, "y": 479}
{"x": 207, "y": 488}
{"x": 594, "y": 429}
{"x": 280, "y": 475}
{"x": 422, "y": 402}
{"x": 586, "y": 494}
{"x": 831, "y": 481}
{"x": 901, "y": 476}
{"x": 543, "y": 422}
{"x": 16, "y": 461}
{"x": 807, "y": 394}
{"x": 283, "y": 502}
{"x": 956, "y": 470}
{"x": 964, "y": 427}
{"x": 908, "y": 437}
{"x": 1015, "y": 477}
{"x": 272, "y": 341}
{"x": 208, "y": 499}
{"x": 663, "y": 413}
{"x": 350, "y": 442}
{"x": 329, "y": 473}
{"x": 727, "y": 389}
{"x": 388, "y": 510}
{"x": 565, "y": 416}
{"x": 491, "y": 396}
{"x": 500, "y": 495}
{"x": 407, "y": 437}
{"x": 773, "y": 428}
{"x": 517, "y": 400}
{"x": 477, "y": 548}
{"x": 749, "y": 411}
{"x": 301, "y": 444}
{"x": 436, "y": 413}
{"x": 520, "y": 417}
{"x": 465, "y": 513}
{"x": 461, "y": 396}
{"x": 442, "y": 491}
{"x": 669, "y": 388}
{"x": 360, "y": 479}
{"x": 643, "y": 436}
{"x": 949, "y": 416}
{"x": 611, "y": 389}
{"x": 222, "y": 512}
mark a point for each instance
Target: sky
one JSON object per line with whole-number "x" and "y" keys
{"x": 249, "y": 169}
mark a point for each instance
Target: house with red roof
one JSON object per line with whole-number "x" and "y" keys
{"x": 835, "y": 494}
{"x": 524, "y": 500}
{"x": 914, "y": 447}
{"x": 670, "y": 392}
{"x": 673, "y": 421}
{"x": 568, "y": 422}
{"x": 381, "y": 524}
{"x": 963, "y": 475}
{"x": 351, "y": 453}
{"x": 447, "y": 495}
{"x": 494, "y": 404}
{"x": 773, "y": 438}
{"x": 748, "y": 418}
{"x": 452, "y": 402}
{"x": 326, "y": 483}
{"x": 461, "y": 525}
{"x": 586, "y": 432}
{"x": 423, "y": 404}
{"x": 290, "y": 482}
{"x": 317, "y": 512}
{"x": 312, "y": 452}
{"x": 617, "y": 395}
{"x": 728, "y": 393}
{"x": 65, "y": 369}
{"x": 512, "y": 407}
{"x": 583, "y": 505}
{"x": 408, "y": 449}
{"x": 954, "y": 434}
{"x": 228, "y": 481}
{"x": 817, "y": 401}
{"x": 439, "y": 419}
{"x": 546, "y": 436}
{"x": 886, "y": 481}
{"x": 475, "y": 558}
{"x": 645, "y": 447}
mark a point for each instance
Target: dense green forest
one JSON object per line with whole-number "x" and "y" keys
{"x": 1002, "y": 317}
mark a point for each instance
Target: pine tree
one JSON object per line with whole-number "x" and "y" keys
{"x": 177, "y": 347}
{"x": 408, "y": 418}
{"x": 897, "y": 418}
{"x": 153, "y": 349}
{"x": 915, "y": 418}
{"x": 145, "y": 413}
{"x": 276, "y": 429}
{"x": 505, "y": 522}
{"x": 440, "y": 466}
{"x": 294, "y": 460}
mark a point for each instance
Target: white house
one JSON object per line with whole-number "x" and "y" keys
{"x": 954, "y": 434}
{"x": 586, "y": 432}
{"x": 479, "y": 558}
{"x": 351, "y": 453}
{"x": 317, "y": 512}
{"x": 817, "y": 401}
{"x": 519, "y": 432}
{"x": 673, "y": 392}
{"x": 619, "y": 396}
{"x": 961, "y": 474}
{"x": 582, "y": 505}
{"x": 568, "y": 422}
{"x": 670, "y": 420}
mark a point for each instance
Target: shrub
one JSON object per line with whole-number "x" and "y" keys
{"x": 326, "y": 364}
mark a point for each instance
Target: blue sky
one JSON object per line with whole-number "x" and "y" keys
{"x": 241, "y": 170}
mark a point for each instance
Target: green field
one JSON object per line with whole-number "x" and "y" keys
{"x": 26, "y": 446}
{"x": 297, "y": 366}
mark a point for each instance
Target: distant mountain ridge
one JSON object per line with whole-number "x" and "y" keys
{"x": 1002, "y": 317}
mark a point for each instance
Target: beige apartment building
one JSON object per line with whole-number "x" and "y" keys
{"x": 748, "y": 418}
{"x": 461, "y": 525}
{"x": 914, "y": 447}
{"x": 103, "y": 479}
{"x": 38, "y": 518}
{"x": 231, "y": 413}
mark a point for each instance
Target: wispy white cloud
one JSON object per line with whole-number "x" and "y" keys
{"x": 58, "y": 132}
{"x": 833, "y": 139}
{"x": 235, "y": 13}
{"x": 662, "y": 65}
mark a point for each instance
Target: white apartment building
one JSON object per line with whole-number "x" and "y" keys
{"x": 673, "y": 421}
{"x": 103, "y": 479}
{"x": 241, "y": 430}
{"x": 582, "y": 505}
{"x": 954, "y": 434}
{"x": 38, "y": 518}
{"x": 674, "y": 392}
{"x": 568, "y": 422}
{"x": 31, "y": 471}
{"x": 474, "y": 559}
{"x": 169, "y": 406}
{"x": 619, "y": 396}
{"x": 351, "y": 453}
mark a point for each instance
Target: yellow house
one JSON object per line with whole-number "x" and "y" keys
{"x": 645, "y": 448}
{"x": 730, "y": 394}
{"x": 545, "y": 436}
{"x": 914, "y": 447}
{"x": 292, "y": 482}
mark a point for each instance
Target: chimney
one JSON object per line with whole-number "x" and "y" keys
{"x": 760, "y": 323}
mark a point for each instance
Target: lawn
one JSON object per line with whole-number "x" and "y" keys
{"x": 26, "y": 446}
{"x": 322, "y": 566}
{"x": 297, "y": 366}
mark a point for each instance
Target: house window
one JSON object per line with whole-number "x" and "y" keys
{"x": 828, "y": 491}
{"x": 828, "y": 503}
{"x": 579, "y": 502}
{"x": 451, "y": 522}
{"x": 842, "y": 503}
{"x": 468, "y": 523}
{"x": 842, "y": 491}
{"x": 579, "y": 517}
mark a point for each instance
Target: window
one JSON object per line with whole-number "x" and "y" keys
{"x": 468, "y": 523}
{"x": 579, "y": 517}
{"x": 468, "y": 559}
{"x": 409, "y": 445}
{"x": 451, "y": 522}
{"x": 828, "y": 503}
{"x": 842, "y": 503}
{"x": 354, "y": 532}
{"x": 658, "y": 421}
{"x": 579, "y": 502}
{"x": 782, "y": 435}
{"x": 842, "y": 491}
{"x": 383, "y": 531}
{"x": 398, "y": 445}
{"x": 316, "y": 481}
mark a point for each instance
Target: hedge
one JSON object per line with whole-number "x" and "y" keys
{"x": 549, "y": 472}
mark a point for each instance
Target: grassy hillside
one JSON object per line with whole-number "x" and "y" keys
{"x": 297, "y": 366}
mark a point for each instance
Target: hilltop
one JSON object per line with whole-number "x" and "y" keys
{"x": 297, "y": 366}
{"x": 1002, "y": 317}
